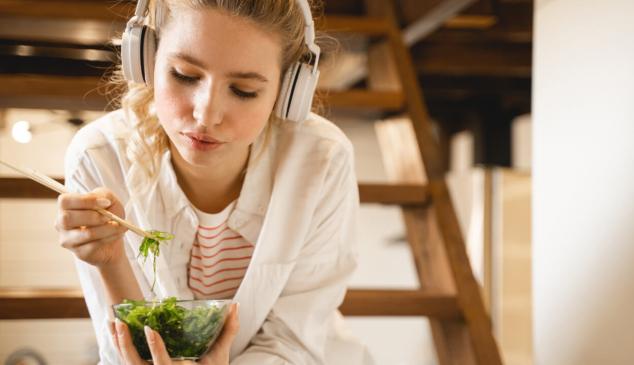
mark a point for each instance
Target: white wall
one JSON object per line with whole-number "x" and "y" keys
{"x": 584, "y": 182}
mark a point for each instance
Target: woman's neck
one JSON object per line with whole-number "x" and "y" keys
{"x": 211, "y": 189}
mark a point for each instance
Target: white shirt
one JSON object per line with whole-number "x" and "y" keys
{"x": 299, "y": 204}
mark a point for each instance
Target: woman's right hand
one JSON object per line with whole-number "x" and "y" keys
{"x": 92, "y": 237}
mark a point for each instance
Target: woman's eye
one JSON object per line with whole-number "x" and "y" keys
{"x": 243, "y": 94}
{"x": 183, "y": 78}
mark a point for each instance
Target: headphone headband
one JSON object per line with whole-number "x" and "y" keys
{"x": 309, "y": 27}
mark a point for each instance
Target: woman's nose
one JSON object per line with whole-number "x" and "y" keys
{"x": 208, "y": 106}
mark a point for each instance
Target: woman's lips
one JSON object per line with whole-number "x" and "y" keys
{"x": 201, "y": 142}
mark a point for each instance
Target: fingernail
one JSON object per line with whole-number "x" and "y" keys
{"x": 149, "y": 334}
{"x": 103, "y": 202}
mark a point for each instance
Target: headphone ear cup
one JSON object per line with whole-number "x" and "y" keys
{"x": 303, "y": 90}
{"x": 138, "y": 47}
{"x": 285, "y": 94}
{"x": 149, "y": 53}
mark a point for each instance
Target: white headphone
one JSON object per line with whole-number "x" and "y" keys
{"x": 138, "y": 50}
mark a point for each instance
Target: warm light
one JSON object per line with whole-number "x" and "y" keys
{"x": 21, "y": 132}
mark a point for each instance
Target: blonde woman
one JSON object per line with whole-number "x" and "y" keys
{"x": 212, "y": 144}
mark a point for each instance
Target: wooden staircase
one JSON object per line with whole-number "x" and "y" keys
{"x": 462, "y": 330}
{"x": 448, "y": 294}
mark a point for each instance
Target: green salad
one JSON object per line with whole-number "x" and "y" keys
{"x": 186, "y": 328}
{"x": 150, "y": 245}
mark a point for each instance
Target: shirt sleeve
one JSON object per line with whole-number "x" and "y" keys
{"x": 296, "y": 329}
{"x": 82, "y": 177}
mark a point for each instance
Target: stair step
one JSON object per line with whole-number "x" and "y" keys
{"x": 386, "y": 302}
{"x": 37, "y": 303}
{"x": 359, "y": 98}
{"x": 56, "y": 92}
{"x": 394, "y": 194}
{"x": 23, "y": 188}
{"x": 86, "y": 91}
{"x": 116, "y": 12}
{"x": 373, "y": 26}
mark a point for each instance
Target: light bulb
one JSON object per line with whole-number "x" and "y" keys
{"x": 21, "y": 132}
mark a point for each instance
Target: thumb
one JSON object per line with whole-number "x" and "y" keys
{"x": 230, "y": 329}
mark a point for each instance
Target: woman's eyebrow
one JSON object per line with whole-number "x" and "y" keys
{"x": 247, "y": 75}
{"x": 235, "y": 74}
{"x": 188, "y": 58}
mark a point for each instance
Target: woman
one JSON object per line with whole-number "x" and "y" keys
{"x": 263, "y": 207}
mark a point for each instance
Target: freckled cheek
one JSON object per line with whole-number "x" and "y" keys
{"x": 171, "y": 106}
{"x": 251, "y": 125}
{"x": 255, "y": 122}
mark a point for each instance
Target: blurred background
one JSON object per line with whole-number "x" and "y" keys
{"x": 508, "y": 85}
{"x": 473, "y": 60}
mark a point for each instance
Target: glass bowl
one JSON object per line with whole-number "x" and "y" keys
{"x": 188, "y": 327}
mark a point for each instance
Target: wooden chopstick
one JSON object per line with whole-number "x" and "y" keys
{"x": 55, "y": 185}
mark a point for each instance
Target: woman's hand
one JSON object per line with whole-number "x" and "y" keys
{"x": 218, "y": 355}
{"x": 92, "y": 237}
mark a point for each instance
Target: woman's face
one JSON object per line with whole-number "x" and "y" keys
{"x": 216, "y": 82}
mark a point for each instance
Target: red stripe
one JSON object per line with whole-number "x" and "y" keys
{"x": 223, "y": 260}
{"x": 215, "y": 282}
{"x": 212, "y": 228}
{"x": 206, "y": 276}
{"x": 214, "y": 236}
{"x": 216, "y": 292}
{"x": 222, "y": 250}
{"x": 217, "y": 243}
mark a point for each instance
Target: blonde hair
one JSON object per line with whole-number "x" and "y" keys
{"x": 149, "y": 141}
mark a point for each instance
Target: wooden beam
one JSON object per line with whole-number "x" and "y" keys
{"x": 396, "y": 194}
{"x": 371, "y": 302}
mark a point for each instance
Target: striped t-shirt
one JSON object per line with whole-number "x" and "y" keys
{"x": 220, "y": 257}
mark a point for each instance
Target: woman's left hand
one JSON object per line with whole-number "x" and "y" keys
{"x": 218, "y": 355}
